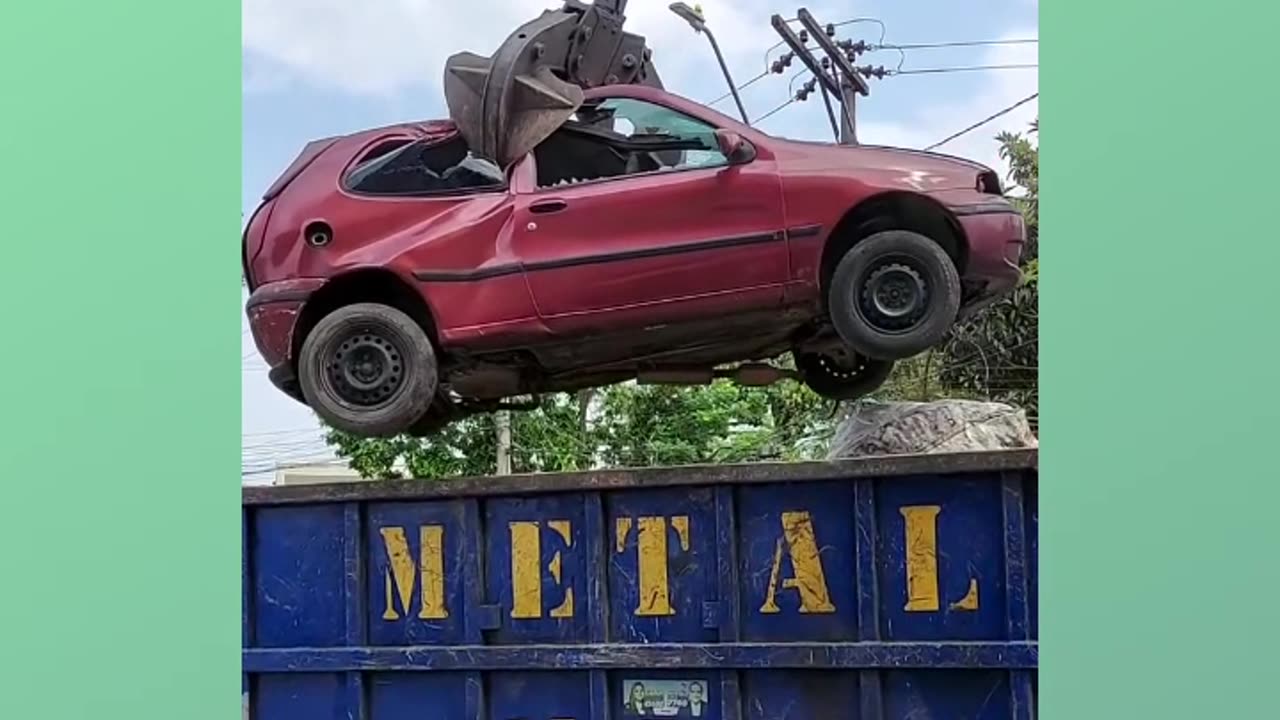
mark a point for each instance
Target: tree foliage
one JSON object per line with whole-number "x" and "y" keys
{"x": 625, "y": 425}
{"x": 996, "y": 354}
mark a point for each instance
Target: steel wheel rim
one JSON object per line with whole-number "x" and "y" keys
{"x": 363, "y": 368}
{"x": 894, "y": 297}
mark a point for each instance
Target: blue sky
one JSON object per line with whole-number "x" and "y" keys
{"x": 314, "y": 68}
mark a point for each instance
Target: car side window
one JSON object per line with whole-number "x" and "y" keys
{"x": 618, "y": 137}
{"x": 641, "y": 121}
{"x": 425, "y": 167}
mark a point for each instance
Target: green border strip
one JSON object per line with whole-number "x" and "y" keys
{"x": 119, "y": 554}
{"x": 119, "y": 559}
{"x": 1159, "y": 412}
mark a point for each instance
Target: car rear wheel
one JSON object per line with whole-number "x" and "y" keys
{"x": 437, "y": 417}
{"x": 843, "y": 375}
{"x": 368, "y": 369}
{"x": 893, "y": 295}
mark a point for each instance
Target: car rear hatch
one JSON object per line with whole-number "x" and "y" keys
{"x": 255, "y": 229}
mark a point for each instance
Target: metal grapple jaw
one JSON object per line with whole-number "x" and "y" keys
{"x": 506, "y": 104}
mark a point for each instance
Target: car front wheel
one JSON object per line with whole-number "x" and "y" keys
{"x": 893, "y": 295}
{"x": 368, "y": 369}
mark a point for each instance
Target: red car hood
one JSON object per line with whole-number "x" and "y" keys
{"x": 918, "y": 169}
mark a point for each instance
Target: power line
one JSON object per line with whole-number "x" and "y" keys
{"x": 289, "y": 431}
{"x": 900, "y": 48}
{"x": 970, "y": 68}
{"x": 780, "y": 43}
{"x": 742, "y": 87}
{"x": 842, "y": 23}
{"x": 984, "y": 121}
{"x": 772, "y": 112}
{"x": 959, "y": 43}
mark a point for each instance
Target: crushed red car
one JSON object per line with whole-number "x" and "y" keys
{"x": 398, "y": 280}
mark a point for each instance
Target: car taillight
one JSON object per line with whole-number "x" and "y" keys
{"x": 989, "y": 183}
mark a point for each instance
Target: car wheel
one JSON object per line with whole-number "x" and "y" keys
{"x": 842, "y": 376}
{"x": 893, "y": 295}
{"x": 438, "y": 417}
{"x": 369, "y": 370}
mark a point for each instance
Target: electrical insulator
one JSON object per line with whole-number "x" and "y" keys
{"x": 804, "y": 37}
{"x": 826, "y": 63}
{"x": 875, "y": 71}
{"x": 782, "y": 63}
{"x": 831, "y": 30}
{"x": 856, "y": 48}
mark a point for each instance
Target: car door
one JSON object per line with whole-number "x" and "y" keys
{"x": 686, "y": 236}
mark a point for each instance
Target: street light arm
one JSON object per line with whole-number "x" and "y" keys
{"x": 694, "y": 17}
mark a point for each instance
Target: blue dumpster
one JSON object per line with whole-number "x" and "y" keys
{"x": 901, "y": 588}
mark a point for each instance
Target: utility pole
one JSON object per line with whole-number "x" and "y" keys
{"x": 835, "y": 71}
{"x": 502, "y": 419}
{"x": 848, "y": 118}
{"x": 852, "y": 83}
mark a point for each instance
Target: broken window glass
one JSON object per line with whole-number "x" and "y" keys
{"x": 623, "y": 136}
{"x": 426, "y": 167}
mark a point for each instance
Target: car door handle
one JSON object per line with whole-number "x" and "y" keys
{"x": 548, "y": 206}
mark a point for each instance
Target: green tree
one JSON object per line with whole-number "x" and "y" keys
{"x": 547, "y": 439}
{"x": 995, "y": 355}
{"x": 629, "y": 425}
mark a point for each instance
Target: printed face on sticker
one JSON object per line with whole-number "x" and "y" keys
{"x": 695, "y": 692}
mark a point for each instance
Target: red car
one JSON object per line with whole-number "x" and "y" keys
{"x": 398, "y": 281}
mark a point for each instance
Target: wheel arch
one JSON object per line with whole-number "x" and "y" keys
{"x": 377, "y": 285}
{"x": 894, "y": 210}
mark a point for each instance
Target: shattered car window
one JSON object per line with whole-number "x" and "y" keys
{"x": 623, "y": 136}
{"x": 426, "y": 167}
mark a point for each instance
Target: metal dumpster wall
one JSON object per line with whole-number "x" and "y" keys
{"x": 885, "y": 588}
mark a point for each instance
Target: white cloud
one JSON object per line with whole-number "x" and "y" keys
{"x": 1001, "y": 89}
{"x": 379, "y": 47}
{"x": 385, "y": 47}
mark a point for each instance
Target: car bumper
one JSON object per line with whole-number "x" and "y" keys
{"x": 997, "y": 235}
{"x": 273, "y": 311}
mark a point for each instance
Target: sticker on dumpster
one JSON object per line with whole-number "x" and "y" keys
{"x": 664, "y": 698}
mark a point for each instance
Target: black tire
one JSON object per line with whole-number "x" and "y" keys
{"x": 436, "y": 418}
{"x": 895, "y": 271}
{"x": 837, "y": 379}
{"x": 369, "y": 370}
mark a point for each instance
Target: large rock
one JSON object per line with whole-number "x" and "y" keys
{"x": 902, "y": 428}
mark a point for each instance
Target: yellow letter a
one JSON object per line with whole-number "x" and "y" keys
{"x": 809, "y": 580}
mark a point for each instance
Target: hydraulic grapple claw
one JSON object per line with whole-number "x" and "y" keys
{"x": 506, "y": 104}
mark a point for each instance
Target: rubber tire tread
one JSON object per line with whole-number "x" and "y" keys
{"x": 940, "y": 276}
{"x": 410, "y": 402}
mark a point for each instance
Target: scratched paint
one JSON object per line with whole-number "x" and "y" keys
{"x": 661, "y": 568}
{"x": 942, "y": 565}
{"x": 837, "y": 597}
{"x": 809, "y": 580}
{"x": 651, "y": 546}
{"x": 526, "y": 571}
{"x": 404, "y": 572}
